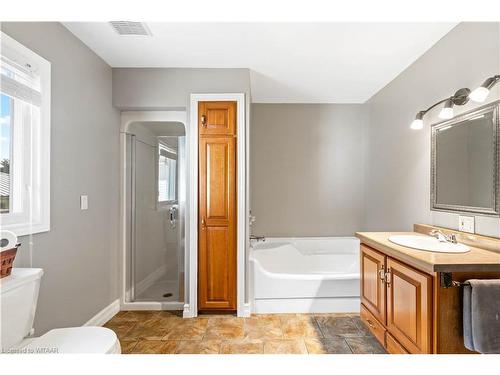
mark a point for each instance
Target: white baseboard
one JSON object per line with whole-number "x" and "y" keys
{"x": 149, "y": 280}
{"x": 306, "y": 305}
{"x": 187, "y": 313}
{"x": 142, "y": 306}
{"x": 103, "y": 316}
{"x": 245, "y": 311}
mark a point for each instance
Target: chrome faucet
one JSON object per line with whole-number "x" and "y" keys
{"x": 257, "y": 238}
{"x": 452, "y": 238}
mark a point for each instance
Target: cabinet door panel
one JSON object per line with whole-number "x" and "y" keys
{"x": 409, "y": 302}
{"x": 217, "y": 271}
{"x": 217, "y": 227}
{"x": 372, "y": 285}
{"x": 217, "y": 118}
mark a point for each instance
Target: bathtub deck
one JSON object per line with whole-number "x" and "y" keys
{"x": 167, "y": 333}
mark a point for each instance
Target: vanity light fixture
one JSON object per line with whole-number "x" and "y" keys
{"x": 461, "y": 97}
{"x": 480, "y": 94}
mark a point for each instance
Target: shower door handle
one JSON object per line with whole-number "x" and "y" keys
{"x": 173, "y": 217}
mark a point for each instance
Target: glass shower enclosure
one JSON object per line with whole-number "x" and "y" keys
{"x": 155, "y": 212}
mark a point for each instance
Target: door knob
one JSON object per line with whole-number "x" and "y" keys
{"x": 204, "y": 121}
{"x": 202, "y": 223}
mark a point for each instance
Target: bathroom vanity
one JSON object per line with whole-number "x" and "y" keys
{"x": 410, "y": 299}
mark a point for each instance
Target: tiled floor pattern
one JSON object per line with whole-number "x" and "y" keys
{"x": 163, "y": 332}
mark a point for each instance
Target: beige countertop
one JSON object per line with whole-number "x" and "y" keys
{"x": 476, "y": 260}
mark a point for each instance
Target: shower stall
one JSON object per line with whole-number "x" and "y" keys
{"x": 155, "y": 210}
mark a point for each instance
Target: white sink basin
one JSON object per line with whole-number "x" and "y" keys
{"x": 428, "y": 243}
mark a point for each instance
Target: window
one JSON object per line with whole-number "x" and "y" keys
{"x": 167, "y": 172}
{"x": 5, "y": 147}
{"x": 24, "y": 139}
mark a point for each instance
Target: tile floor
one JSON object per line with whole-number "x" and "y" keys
{"x": 163, "y": 332}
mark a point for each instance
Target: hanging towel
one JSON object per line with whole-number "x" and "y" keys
{"x": 481, "y": 316}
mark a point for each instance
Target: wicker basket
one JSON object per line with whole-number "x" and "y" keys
{"x": 7, "y": 260}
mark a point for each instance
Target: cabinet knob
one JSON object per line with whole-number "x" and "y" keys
{"x": 388, "y": 277}
{"x": 381, "y": 274}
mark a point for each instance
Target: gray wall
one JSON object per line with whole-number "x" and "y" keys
{"x": 307, "y": 169}
{"x": 79, "y": 254}
{"x": 398, "y": 161}
{"x": 169, "y": 88}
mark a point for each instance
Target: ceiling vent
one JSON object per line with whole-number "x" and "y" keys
{"x": 128, "y": 28}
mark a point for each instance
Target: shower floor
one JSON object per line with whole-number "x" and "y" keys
{"x": 157, "y": 291}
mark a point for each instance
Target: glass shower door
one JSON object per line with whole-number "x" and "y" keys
{"x": 156, "y": 261}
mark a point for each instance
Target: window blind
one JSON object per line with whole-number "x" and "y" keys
{"x": 19, "y": 82}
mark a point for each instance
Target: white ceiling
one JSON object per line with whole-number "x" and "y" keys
{"x": 288, "y": 62}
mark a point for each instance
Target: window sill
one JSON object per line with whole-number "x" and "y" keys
{"x": 23, "y": 229}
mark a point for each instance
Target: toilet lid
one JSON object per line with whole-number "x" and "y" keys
{"x": 75, "y": 340}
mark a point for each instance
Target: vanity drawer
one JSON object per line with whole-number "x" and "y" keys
{"x": 373, "y": 325}
{"x": 392, "y": 346}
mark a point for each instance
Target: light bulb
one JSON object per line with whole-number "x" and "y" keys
{"x": 447, "y": 111}
{"x": 480, "y": 94}
{"x": 417, "y": 124}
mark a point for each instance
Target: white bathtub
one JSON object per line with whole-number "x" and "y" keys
{"x": 317, "y": 274}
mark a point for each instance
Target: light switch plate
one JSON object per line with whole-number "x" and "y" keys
{"x": 84, "y": 202}
{"x": 466, "y": 224}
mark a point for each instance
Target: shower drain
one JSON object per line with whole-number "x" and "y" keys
{"x": 166, "y": 295}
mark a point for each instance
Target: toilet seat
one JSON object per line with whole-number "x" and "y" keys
{"x": 96, "y": 340}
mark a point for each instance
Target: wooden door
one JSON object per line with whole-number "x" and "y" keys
{"x": 409, "y": 303}
{"x": 217, "y": 206}
{"x": 372, "y": 282}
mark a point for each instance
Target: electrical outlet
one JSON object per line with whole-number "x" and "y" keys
{"x": 84, "y": 202}
{"x": 466, "y": 224}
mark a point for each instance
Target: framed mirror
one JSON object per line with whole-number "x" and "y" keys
{"x": 465, "y": 162}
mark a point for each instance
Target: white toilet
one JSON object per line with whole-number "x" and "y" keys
{"x": 18, "y": 299}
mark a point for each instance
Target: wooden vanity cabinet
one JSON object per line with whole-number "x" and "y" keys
{"x": 407, "y": 299}
{"x": 372, "y": 290}
{"x": 399, "y": 299}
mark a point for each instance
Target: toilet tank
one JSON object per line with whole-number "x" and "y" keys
{"x": 18, "y": 298}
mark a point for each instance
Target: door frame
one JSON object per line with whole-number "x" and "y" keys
{"x": 191, "y": 307}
